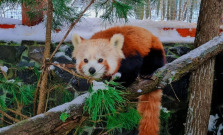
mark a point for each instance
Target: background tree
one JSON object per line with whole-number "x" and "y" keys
{"x": 201, "y": 83}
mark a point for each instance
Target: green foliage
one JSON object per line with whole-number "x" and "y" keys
{"x": 63, "y": 13}
{"x": 106, "y": 104}
{"x": 124, "y": 120}
{"x": 117, "y": 9}
{"x": 2, "y": 102}
{"x": 64, "y": 116}
{"x": 164, "y": 118}
{"x": 21, "y": 93}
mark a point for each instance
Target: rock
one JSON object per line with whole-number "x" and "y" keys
{"x": 25, "y": 58}
{"x": 11, "y": 54}
{"x": 63, "y": 59}
{"x": 68, "y": 52}
{"x": 27, "y": 76}
{"x": 27, "y": 42}
{"x": 25, "y": 64}
{"x": 180, "y": 50}
{"x": 36, "y": 53}
{"x": 170, "y": 58}
{"x": 63, "y": 75}
{"x": 166, "y": 50}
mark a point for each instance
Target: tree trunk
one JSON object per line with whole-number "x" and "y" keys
{"x": 173, "y": 10}
{"x": 43, "y": 84}
{"x": 164, "y": 9}
{"x": 158, "y": 7}
{"x": 161, "y": 9}
{"x": 184, "y": 9}
{"x": 168, "y": 9}
{"x": 201, "y": 83}
{"x": 191, "y": 11}
{"x": 148, "y": 12}
{"x": 179, "y": 13}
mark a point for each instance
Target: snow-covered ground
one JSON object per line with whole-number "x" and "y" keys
{"x": 88, "y": 26}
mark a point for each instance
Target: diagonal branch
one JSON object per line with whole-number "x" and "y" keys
{"x": 49, "y": 123}
{"x": 70, "y": 28}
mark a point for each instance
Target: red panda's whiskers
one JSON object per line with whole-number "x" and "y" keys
{"x": 100, "y": 70}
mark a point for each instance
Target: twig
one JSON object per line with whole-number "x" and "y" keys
{"x": 9, "y": 117}
{"x": 72, "y": 72}
{"x": 4, "y": 74}
{"x": 81, "y": 121}
{"x": 17, "y": 113}
{"x": 36, "y": 94}
{"x": 174, "y": 92}
{"x": 70, "y": 28}
{"x": 47, "y": 99}
{"x": 7, "y": 121}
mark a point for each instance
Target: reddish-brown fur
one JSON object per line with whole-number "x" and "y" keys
{"x": 149, "y": 108}
{"x": 149, "y": 104}
{"x": 133, "y": 42}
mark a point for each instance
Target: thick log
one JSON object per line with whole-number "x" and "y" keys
{"x": 50, "y": 123}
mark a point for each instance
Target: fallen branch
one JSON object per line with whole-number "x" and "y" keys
{"x": 49, "y": 123}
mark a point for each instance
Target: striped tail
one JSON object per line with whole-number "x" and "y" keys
{"x": 149, "y": 108}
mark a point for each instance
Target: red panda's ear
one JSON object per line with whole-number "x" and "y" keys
{"x": 117, "y": 41}
{"x": 76, "y": 40}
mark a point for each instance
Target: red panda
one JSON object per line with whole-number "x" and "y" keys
{"x": 131, "y": 51}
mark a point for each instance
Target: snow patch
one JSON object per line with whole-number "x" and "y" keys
{"x": 65, "y": 107}
{"x": 6, "y": 128}
{"x": 63, "y": 48}
{"x": 99, "y": 86}
{"x": 37, "y": 116}
{"x": 37, "y": 32}
{"x": 10, "y": 21}
{"x": 164, "y": 109}
{"x": 52, "y": 67}
{"x": 116, "y": 75}
{"x": 212, "y": 122}
{"x": 139, "y": 90}
{"x": 10, "y": 81}
{"x": 60, "y": 54}
{"x": 220, "y": 128}
{"x": 4, "y": 69}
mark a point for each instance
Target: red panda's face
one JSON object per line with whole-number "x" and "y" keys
{"x": 97, "y": 57}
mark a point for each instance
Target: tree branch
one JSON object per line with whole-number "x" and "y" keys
{"x": 49, "y": 122}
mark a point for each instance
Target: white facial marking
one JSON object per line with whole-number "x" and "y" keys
{"x": 93, "y": 50}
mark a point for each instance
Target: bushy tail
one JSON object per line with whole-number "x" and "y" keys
{"x": 149, "y": 108}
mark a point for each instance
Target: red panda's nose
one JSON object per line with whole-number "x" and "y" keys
{"x": 91, "y": 70}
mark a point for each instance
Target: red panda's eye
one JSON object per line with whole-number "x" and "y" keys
{"x": 86, "y": 60}
{"x": 100, "y": 60}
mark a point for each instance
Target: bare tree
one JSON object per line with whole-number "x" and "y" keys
{"x": 191, "y": 10}
{"x": 43, "y": 83}
{"x": 179, "y": 13}
{"x": 148, "y": 10}
{"x": 201, "y": 83}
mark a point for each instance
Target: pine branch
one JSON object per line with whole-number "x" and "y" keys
{"x": 70, "y": 28}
